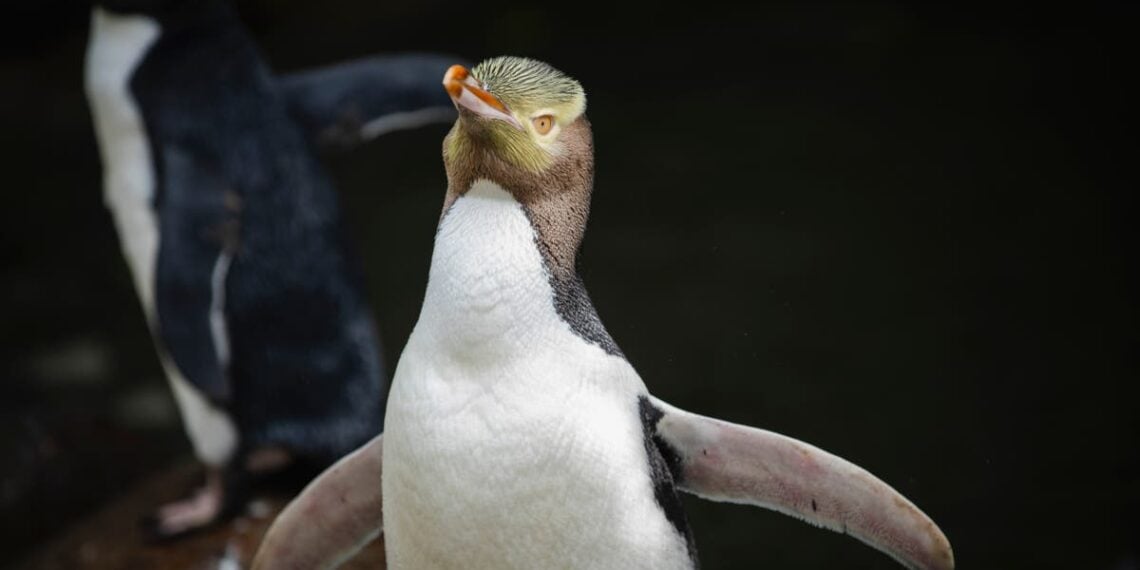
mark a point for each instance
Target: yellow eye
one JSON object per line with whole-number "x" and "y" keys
{"x": 543, "y": 124}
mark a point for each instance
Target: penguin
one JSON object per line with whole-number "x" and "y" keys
{"x": 517, "y": 434}
{"x": 234, "y": 238}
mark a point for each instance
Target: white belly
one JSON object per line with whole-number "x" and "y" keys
{"x": 509, "y": 441}
{"x": 117, "y": 46}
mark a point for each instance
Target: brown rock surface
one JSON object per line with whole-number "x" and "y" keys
{"x": 110, "y": 538}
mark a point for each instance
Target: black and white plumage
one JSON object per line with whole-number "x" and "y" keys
{"x": 233, "y": 233}
{"x": 517, "y": 434}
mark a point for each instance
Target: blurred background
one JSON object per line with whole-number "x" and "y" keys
{"x": 898, "y": 232}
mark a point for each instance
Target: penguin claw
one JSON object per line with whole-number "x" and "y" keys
{"x": 152, "y": 530}
{"x": 224, "y": 494}
{"x": 202, "y": 509}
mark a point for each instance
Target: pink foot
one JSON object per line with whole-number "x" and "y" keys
{"x": 214, "y": 502}
{"x": 196, "y": 512}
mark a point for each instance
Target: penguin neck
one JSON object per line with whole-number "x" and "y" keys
{"x": 493, "y": 294}
{"x": 506, "y": 248}
{"x": 489, "y": 296}
{"x": 556, "y": 199}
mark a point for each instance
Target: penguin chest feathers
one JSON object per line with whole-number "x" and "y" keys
{"x": 510, "y": 441}
{"x": 487, "y": 288}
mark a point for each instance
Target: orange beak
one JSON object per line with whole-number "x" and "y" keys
{"x": 467, "y": 94}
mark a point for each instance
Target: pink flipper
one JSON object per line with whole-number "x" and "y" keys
{"x": 726, "y": 462}
{"x": 332, "y": 519}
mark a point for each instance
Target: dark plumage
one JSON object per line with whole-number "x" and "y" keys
{"x": 258, "y": 294}
{"x": 295, "y": 312}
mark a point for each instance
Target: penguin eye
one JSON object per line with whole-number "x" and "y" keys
{"x": 543, "y": 124}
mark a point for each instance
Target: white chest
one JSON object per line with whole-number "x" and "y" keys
{"x": 117, "y": 46}
{"x": 510, "y": 442}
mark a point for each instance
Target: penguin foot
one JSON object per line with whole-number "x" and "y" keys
{"x": 201, "y": 509}
{"x": 268, "y": 460}
{"x": 226, "y": 492}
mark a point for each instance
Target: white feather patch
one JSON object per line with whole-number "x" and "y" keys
{"x": 406, "y": 120}
{"x": 117, "y": 46}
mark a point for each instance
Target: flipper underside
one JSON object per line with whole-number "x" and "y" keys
{"x": 332, "y": 519}
{"x": 721, "y": 461}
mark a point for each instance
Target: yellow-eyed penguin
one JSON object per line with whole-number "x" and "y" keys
{"x": 517, "y": 435}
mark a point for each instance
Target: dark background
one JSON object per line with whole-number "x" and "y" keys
{"x": 897, "y": 232}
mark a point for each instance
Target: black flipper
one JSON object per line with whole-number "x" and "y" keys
{"x": 198, "y": 228}
{"x": 343, "y": 105}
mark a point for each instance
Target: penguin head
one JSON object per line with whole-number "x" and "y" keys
{"x": 516, "y": 110}
{"x": 522, "y": 125}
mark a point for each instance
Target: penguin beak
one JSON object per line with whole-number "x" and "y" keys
{"x": 468, "y": 95}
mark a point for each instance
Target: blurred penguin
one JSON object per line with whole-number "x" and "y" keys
{"x": 234, "y": 236}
